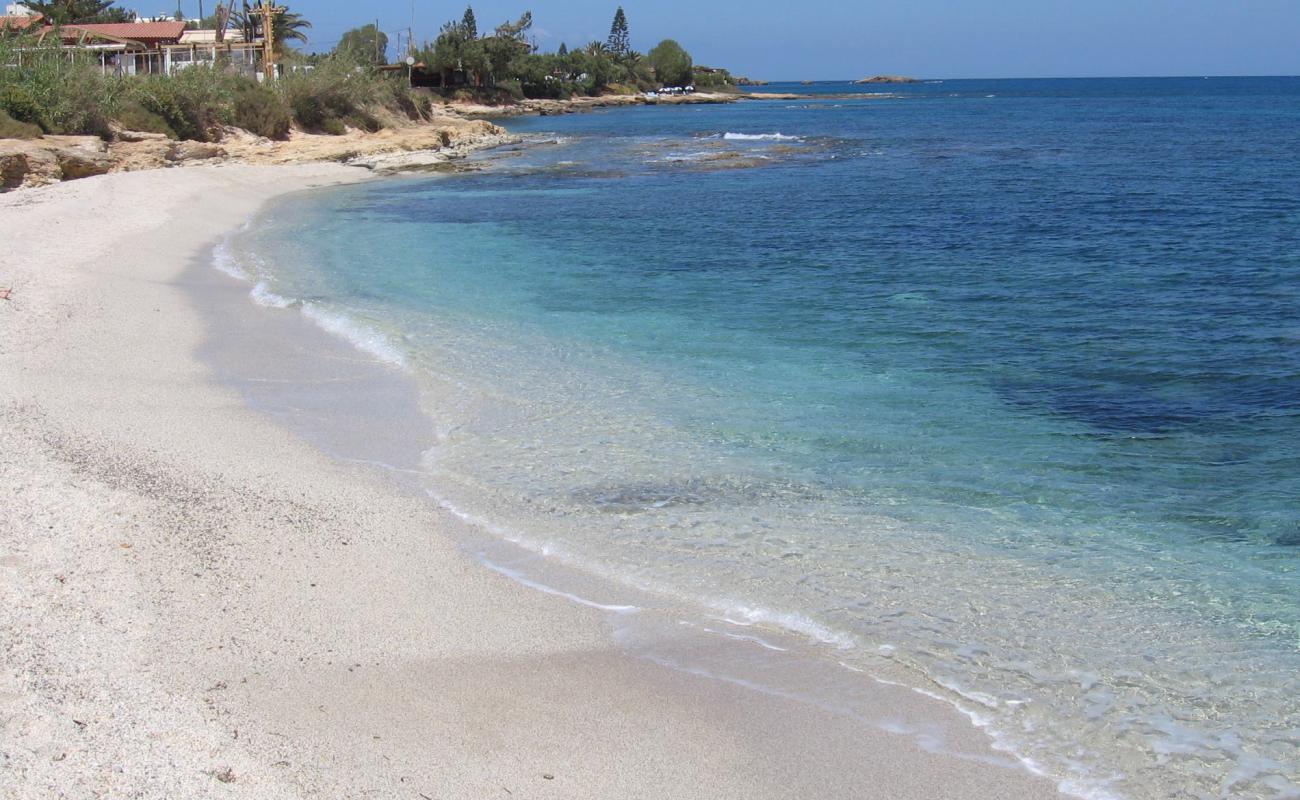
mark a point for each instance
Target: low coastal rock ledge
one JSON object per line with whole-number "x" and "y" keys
{"x": 27, "y": 163}
{"x": 456, "y": 130}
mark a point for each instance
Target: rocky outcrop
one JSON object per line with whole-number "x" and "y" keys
{"x": 13, "y": 170}
{"x": 195, "y": 151}
{"x": 36, "y": 162}
{"x": 74, "y": 164}
{"x": 580, "y": 104}
{"x": 888, "y": 79}
{"x": 438, "y": 140}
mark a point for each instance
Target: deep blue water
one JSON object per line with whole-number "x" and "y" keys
{"x": 1004, "y": 375}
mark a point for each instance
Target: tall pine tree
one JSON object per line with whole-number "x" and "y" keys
{"x": 63, "y": 12}
{"x": 619, "y": 42}
{"x": 469, "y": 23}
{"x": 563, "y": 51}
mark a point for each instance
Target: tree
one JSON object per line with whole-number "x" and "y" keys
{"x": 619, "y": 41}
{"x": 286, "y": 26}
{"x": 64, "y": 12}
{"x": 595, "y": 62}
{"x": 563, "y": 51}
{"x": 208, "y": 23}
{"x": 671, "y": 63}
{"x": 517, "y": 30}
{"x": 455, "y": 52}
{"x": 364, "y": 45}
{"x": 469, "y": 24}
{"x": 289, "y": 26}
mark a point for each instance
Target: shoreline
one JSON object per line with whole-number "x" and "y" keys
{"x": 200, "y": 602}
{"x": 455, "y": 131}
{"x": 579, "y": 104}
{"x": 32, "y": 163}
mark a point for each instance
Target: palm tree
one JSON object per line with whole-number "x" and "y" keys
{"x": 289, "y": 26}
{"x": 285, "y": 26}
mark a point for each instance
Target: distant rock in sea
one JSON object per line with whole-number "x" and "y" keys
{"x": 888, "y": 79}
{"x": 749, "y": 82}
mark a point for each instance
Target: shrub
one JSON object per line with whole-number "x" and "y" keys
{"x": 513, "y": 88}
{"x": 156, "y": 96}
{"x": 332, "y": 90}
{"x": 421, "y": 105}
{"x": 134, "y": 117}
{"x": 261, "y": 111}
{"x": 61, "y": 93}
{"x": 337, "y": 89}
{"x": 67, "y": 92}
{"x": 85, "y": 103}
{"x": 363, "y": 120}
{"x": 397, "y": 96}
{"x": 195, "y": 102}
{"x": 11, "y": 128}
{"x": 705, "y": 78}
{"x": 17, "y": 102}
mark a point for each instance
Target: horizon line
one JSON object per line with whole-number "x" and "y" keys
{"x": 1035, "y": 78}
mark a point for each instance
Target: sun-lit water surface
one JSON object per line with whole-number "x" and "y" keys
{"x": 997, "y": 380}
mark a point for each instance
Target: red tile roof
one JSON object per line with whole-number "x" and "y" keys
{"x": 18, "y": 23}
{"x": 144, "y": 32}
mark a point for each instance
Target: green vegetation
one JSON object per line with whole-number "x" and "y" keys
{"x": 46, "y": 89}
{"x": 64, "y": 12}
{"x": 712, "y": 79}
{"x": 135, "y": 117}
{"x": 469, "y": 24}
{"x": 620, "y": 40}
{"x": 506, "y": 65}
{"x": 55, "y": 92}
{"x": 52, "y": 90}
{"x": 194, "y": 102}
{"x": 336, "y": 94}
{"x": 11, "y": 128}
{"x": 364, "y": 45}
{"x": 258, "y": 109}
{"x": 671, "y": 63}
{"x": 289, "y": 26}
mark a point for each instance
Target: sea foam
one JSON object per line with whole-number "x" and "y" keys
{"x": 224, "y": 260}
{"x": 364, "y": 338}
{"x": 760, "y": 137}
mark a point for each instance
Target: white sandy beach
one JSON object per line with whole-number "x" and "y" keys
{"x": 197, "y": 603}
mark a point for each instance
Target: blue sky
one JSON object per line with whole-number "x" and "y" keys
{"x": 836, "y": 39}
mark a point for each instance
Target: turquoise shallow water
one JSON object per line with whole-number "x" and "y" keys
{"x": 999, "y": 381}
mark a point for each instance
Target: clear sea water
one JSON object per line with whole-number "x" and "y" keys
{"x": 995, "y": 380}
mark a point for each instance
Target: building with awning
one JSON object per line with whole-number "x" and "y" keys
{"x": 157, "y": 48}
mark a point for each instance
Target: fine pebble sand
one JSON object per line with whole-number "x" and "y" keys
{"x": 194, "y": 602}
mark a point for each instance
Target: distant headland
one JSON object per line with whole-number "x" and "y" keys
{"x": 872, "y": 79}
{"x": 888, "y": 79}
